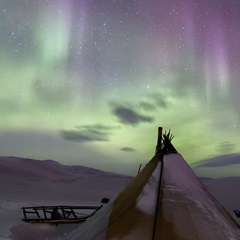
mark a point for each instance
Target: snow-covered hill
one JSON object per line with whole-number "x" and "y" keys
{"x": 28, "y": 182}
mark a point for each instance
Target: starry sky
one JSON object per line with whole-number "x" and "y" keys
{"x": 88, "y": 82}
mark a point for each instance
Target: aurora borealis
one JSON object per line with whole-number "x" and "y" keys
{"x": 88, "y": 82}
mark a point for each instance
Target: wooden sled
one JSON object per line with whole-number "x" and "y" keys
{"x": 58, "y": 214}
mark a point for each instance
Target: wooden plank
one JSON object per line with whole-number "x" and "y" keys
{"x": 44, "y": 212}
{"x": 63, "y": 212}
{"x": 24, "y": 213}
{"x": 65, "y": 207}
{"x": 36, "y": 212}
{"x": 73, "y": 213}
{"x": 55, "y": 220}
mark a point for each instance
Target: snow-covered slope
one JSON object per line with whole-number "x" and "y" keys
{"x": 226, "y": 191}
{"x": 27, "y": 182}
{"x": 48, "y": 179}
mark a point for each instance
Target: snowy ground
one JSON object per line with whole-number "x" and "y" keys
{"x": 25, "y": 182}
{"x": 226, "y": 191}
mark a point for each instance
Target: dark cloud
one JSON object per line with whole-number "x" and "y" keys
{"x": 159, "y": 100}
{"x": 153, "y": 101}
{"x": 87, "y": 133}
{"x": 220, "y": 161}
{"x": 128, "y": 116}
{"x": 147, "y": 106}
{"x": 128, "y": 149}
{"x": 225, "y": 147}
{"x": 98, "y": 127}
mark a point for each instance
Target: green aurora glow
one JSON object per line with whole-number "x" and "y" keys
{"x": 89, "y": 82}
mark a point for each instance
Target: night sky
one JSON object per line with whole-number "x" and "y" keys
{"x": 88, "y": 82}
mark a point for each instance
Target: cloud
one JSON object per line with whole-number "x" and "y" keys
{"x": 128, "y": 116}
{"x": 87, "y": 133}
{"x": 220, "y": 161}
{"x": 147, "y": 106}
{"x": 225, "y": 147}
{"x": 153, "y": 101}
{"x": 127, "y": 149}
{"x": 159, "y": 99}
{"x": 98, "y": 127}
{"x": 78, "y": 136}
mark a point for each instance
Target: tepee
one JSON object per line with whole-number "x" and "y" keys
{"x": 165, "y": 201}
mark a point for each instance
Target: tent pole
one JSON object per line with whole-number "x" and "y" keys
{"x": 159, "y": 140}
{"x": 158, "y": 203}
{"x": 158, "y": 150}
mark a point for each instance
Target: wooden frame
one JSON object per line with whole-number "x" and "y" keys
{"x": 67, "y": 214}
